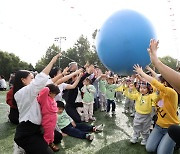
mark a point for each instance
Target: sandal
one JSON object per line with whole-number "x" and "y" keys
{"x": 53, "y": 147}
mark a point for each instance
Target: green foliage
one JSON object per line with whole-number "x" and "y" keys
{"x": 9, "y": 63}
{"x": 50, "y": 53}
{"x": 81, "y": 52}
{"x": 169, "y": 61}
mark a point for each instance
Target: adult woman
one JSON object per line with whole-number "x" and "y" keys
{"x": 28, "y": 134}
{"x": 173, "y": 79}
{"x": 70, "y": 96}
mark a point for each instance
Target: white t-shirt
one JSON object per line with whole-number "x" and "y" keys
{"x": 26, "y": 98}
{"x": 62, "y": 87}
{"x": 3, "y": 83}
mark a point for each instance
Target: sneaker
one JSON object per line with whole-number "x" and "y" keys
{"x": 107, "y": 114}
{"x": 132, "y": 115}
{"x": 113, "y": 113}
{"x": 53, "y": 147}
{"x": 143, "y": 142}
{"x": 125, "y": 111}
{"x": 93, "y": 119}
{"x": 134, "y": 140}
{"x": 82, "y": 118}
{"x": 89, "y": 137}
{"x": 18, "y": 150}
{"x": 98, "y": 128}
{"x": 130, "y": 111}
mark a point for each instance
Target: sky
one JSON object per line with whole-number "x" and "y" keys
{"x": 28, "y": 27}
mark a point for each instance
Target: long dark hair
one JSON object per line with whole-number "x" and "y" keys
{"x": 54, "y": 71}
{"x": 18, "y": 84}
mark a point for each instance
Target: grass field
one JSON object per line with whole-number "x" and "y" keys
{"x": 113, "y": 140}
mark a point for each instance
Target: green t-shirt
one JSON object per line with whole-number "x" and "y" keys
{"x": 89, "y": 92}
{"x": 110, "y": 91}
{"x": 102, "y": 86}
{"x": 63, "y": 120}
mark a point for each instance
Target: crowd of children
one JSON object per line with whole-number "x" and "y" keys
{"x": 65, "y": 104}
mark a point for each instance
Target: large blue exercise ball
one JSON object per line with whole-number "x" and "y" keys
{"x": 122, "y": 41}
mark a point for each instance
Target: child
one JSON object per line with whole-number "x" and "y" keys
{"x": 128, "y": 106}
{"x": 88, "y": 99}
{"x": 143, "y": 107}
{"x": 69, "y": 127}
{"x": 102, "y": 91}
{"x": 110, "y": 95}
{"x": 49, "y": 113}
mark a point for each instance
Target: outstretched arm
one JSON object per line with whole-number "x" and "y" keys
{"x": 72, "y": 86}
{"x": 47, "y": 69}
{"x": 170, "y": 75}
{"x": 139, "y": 70}
{"x": 67, "y": 77}
{"x": 154, "y": 74}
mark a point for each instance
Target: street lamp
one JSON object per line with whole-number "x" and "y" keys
{"x": 58, "y": 39}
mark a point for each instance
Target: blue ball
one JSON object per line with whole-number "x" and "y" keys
{"x": 123, "y": 40}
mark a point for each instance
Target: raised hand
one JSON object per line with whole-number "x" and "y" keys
{"x": 137, "y": 69}
{"x": 65, "y": 71}
{"x": 153, "y": 46}
{"x": 54, "y": 59}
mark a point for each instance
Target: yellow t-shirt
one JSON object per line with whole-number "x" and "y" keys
{"x": 143, "y": 104}
{"x": 120, "y": 88}
{"x": 167, "y": 105}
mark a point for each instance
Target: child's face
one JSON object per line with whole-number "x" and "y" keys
{"x": 103, "y": 78}
{"x": 85, "y": 82}
{"x": 60, "y": 110}
{"x": 110, "y": 81}
{"x": 131, "y": 86}
{"x": 143, "y": 89}
{"x": 128, "y": 82}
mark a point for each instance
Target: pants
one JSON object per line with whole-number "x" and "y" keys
{"x": 49, "y": 124}
{"x": 96, "y": 103}
{"x": 109, "y": 102}
{"x": 159, "y": 141}
{"x": 119, "y": 96}
{"x": 72, "y": 112}
{"x": 80, "y": 111}
{"x": 18, "y": 150}
{"x": 79, "y": 131}
{"x": 129, "y": 104}
{"x": 88, "y": 111}
{"x": 29, "y": 137}
{"x": 14, "y": 116}
{"x": 174, "y": 133}
{"x": 141, "y": 125}
{"x": 102, "y": 101}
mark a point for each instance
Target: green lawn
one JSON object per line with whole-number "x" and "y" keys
{"x": 113, "y": 140}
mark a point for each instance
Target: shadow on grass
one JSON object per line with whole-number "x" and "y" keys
{"x": 122, "y": 147}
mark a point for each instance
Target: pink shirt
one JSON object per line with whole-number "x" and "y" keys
{"x": 48, "y": 106}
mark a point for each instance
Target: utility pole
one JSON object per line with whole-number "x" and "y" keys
{"x": 59, "y": 39}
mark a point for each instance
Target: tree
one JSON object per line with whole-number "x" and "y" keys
{"x": 9, "y": 63}
{"x": 169, "y": 61}
{"x": 50, "y": 53}
{"x": 95, "y": 56}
